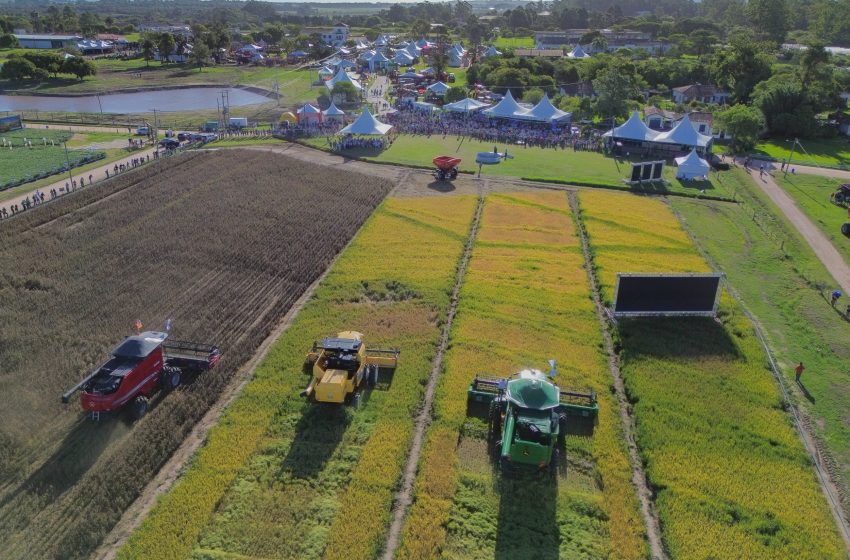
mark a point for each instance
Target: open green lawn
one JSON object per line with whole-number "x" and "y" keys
{"x": 811, "y": 192}
{"x": 47, "y": 155}
{"x": 514, "y": 43}
{"x": 785, "y": 286}
{"x": 533, "y": 163}
{"x": 833, "y": 152}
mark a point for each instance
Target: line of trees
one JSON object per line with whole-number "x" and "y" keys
{"x": 44, "y": 65}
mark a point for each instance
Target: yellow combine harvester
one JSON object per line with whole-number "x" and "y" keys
{"x": 341, "y": 365}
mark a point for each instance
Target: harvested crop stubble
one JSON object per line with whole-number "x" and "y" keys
{"x": 731, "y": 477}
{"x": 525, "y": 299}
{"x": 278, "y": 477}
{"x": 222, "y": 243}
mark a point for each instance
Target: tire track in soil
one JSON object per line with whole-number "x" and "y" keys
{"x": 404, "y": 497}
{"x": 171, "y": 471}
{"x": 645, "y": 498}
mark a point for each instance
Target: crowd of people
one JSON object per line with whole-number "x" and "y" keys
{"x": 481, "y": 127}
{"x": 353, "y": 142}
{"x": 39, "y": 197}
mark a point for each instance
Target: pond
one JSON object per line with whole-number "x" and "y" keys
{"x": 188, "y": 99}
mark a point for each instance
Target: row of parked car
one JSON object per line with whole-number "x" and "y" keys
{"x": 173, "y": 141}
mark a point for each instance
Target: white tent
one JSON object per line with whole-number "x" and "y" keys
{"x": 459, "y": 48}
{"x": 633, "y": 129}
{"x": 684, "y": 134}
{"x": 578, "y": 52}
{"x": 422, "y": 43}
{"x": 378, "y": 61}
{"x": 366, "y": 56}
{"x": 424, "y": 107}
{"x": 691, "y": 166}
{"x": 467, "y": 105}
{"x": 438, "y": 88}
{"x": 413, "y": 50}
{"x": 333, "y": 113}
{"x": 342, "y": 76}
{"x": 325, "y": 72}
{"x": 403, "y": 58}
{"x": 309, "y": 115}
{"x": 346, "y": 64}
{"x": 544, "y": 111}
{"x": 491, "y": 51}
{"x": 455, "y": 59}
{"x": 366, "y": 125}
{"x": 507, "y": 108}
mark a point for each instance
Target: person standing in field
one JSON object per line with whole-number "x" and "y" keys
{"x": 798, "y": 371}
{"x": 835, "y": 295}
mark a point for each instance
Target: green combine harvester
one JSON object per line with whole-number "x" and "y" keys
{"x": 528, "y": 417}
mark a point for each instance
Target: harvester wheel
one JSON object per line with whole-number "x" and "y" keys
{"x": 356, "y": 398}
{"x": 845, "y": 229}
{"x": 171, "y": 377}
{"x": 139, "y": 407}
{"x": 372, "y": 376}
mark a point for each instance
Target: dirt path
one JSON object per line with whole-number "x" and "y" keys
{"x": 97, "y": 174}
{"x": 823, "y": 248}
{"x": 404, "y": 496}
{"x": 647, "y": 506}
{"x": 80, "y": 128}
{"x": 822, "y": 171}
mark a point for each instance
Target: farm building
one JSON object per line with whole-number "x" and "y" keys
{"x": 47, "y": 41}
{"x": 701, "y": 93}
{"x": 635, "y": 136}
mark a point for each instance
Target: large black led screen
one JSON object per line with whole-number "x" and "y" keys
{"x": 672, "y": 294}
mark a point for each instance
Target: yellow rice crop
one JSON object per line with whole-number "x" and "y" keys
{"x": 731, "y": 477}
{"x": 525, "y": 299}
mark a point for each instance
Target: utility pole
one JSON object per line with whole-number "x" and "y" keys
{"x": 68, "y": 162}
{"x": 155, "y": 130}
{"x": 100, "y": 105}
{"x": 788, "y": 163}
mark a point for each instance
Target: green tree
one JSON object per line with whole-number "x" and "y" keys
{"x": 744, "y": 123}
{"x": 770, "y": 19}
{"x": 533, "y": 95}
{"x": 455, "y": 94}
{"x": 148, "y": 48}
{"x": 17, "y": 69}
{"x": 8, "y": 41}
{"x": 786, "y": 108}
{"x": 614, "y": 87}
{"x": 740, "y": 66}
{"x": 166, "y": 44}
{"x": 811, "y": 61}
{"x": 200, "y": 55}
{"x": 79, "y": 67}
{"x": 346, "y": 91}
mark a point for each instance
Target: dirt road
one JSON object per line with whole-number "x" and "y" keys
{"x": 823, "y": 248}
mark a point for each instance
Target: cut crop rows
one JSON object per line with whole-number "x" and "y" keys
{"x": 281, "y": 478}
{"x": 525, "y": 299}
{"x": 221, "y": 243}
{"x": 730, "y": 476}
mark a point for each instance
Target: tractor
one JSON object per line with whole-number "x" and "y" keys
{"x": 139, "y": 367}
{"x": 841, "y": 196}
{"x": 341, "y": 366}
{"x": 528, "y": 418}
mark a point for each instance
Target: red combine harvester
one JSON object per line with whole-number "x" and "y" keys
{"x": 140, "y": 366}
{"x": 446, "y": 167}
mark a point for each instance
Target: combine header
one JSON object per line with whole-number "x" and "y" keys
{"x": 342, "y": 365}
{"x": 140, "y": 366}
{"x": 528, "y": 417}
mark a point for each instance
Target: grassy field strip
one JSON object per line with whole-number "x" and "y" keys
{"x": 731, "y": 477}
{"x": 275, "y": 470}
{"x": 782, "y": 282}
{"x": 525, "y": 299}
{"x": 811, "y": 193}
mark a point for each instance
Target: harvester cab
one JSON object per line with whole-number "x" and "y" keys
{"x": 341, "y": 366}
{"x": 528, "y": 417}
{"x": 140, "y": 366}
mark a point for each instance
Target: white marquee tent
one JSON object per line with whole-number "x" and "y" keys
{"x": 342, "y": 76}
{"x": 692, "y": 166}
{"x": 438, "y": 88}
{"x": 366, "y": 125}
{"x": 309, "y": 115}
{"x": 685, "y": 134}
{"x": 333, "y": 113}
{"x": 544, "y": 111}
{"x": 467, "y": 105}
{"x": 507, "y": 108}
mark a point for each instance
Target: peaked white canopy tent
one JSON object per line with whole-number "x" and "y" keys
{"x": 342, "y": 76}
{"x": 309, "y": 114}
{"x": 366, "y": 125}
{"x": 333, "y": 113}
{"x": 467, "y": 105}
{"x": 692, "y": 166}
{"x": 636, "y": 135}
{"x": 544, "y": 111}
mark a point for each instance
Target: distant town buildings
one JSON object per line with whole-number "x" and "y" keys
{"x": 701, "y": 93}
{"x": 27, "y": 41}
{"x": 614, "y": 40}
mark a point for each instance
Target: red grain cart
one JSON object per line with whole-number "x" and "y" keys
{"x": 139, "y": 367}
{"x": 446, "y": 167}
